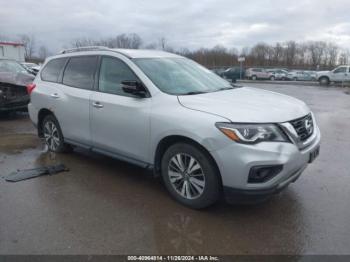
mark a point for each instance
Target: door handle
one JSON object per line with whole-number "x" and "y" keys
{"x": 97, "y": 105}
{"x": 55, "y": 95}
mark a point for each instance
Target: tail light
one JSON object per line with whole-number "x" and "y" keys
{"x": 30, "y": 88}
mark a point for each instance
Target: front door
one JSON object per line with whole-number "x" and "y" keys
{"x": 339, "y": 74}
{"x": 120, "y": 122}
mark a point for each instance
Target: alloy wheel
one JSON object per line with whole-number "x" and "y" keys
{"x": 186, "y": 176}
{"x": 51, "y": 135}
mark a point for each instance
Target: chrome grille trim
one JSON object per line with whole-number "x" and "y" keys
{"x": 304, "y": 127}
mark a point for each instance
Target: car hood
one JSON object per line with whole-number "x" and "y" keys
{"x": 323, "y": 72}
{"x": 21, "y": 79}
{"x": 247, "y": 105}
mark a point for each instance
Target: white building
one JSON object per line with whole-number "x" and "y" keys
{"x": 11, "y": 50}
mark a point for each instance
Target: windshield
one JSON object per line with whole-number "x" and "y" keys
{"x": 181, "y": 76}
{"x": 11, "y": 66}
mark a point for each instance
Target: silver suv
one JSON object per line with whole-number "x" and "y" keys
{"x": 203, "y": 136}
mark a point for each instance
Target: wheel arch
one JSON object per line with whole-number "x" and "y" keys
{"x": 324, "y": 76}
{"x": 41, "y": 115}
{"x": 170, "y": 140}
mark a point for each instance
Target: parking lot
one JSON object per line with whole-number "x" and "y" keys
{"x": 104, "y": 206}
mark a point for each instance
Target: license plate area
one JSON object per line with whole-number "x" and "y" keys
{"x": 314, "y": 154}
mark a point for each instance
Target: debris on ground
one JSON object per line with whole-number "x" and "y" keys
{"x": 20, "y": 175}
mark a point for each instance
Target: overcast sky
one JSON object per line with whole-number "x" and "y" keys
{"x": 191, "y": 23}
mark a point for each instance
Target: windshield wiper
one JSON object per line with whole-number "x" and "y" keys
{"x": 225, "y": 88}
{"x": 194, "y": 93}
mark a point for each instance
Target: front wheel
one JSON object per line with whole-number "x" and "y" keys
{"x": 272, "y": 78}
{"x": 190, "y": 176}
{"x": 254, "y": 77}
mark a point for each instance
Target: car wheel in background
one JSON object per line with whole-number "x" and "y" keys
{"x": 53, "y": 135}
{"x": 295, "y": 79}
{"x": 254, "y": 77}
{"x": 324, "y": 81}
{"x": 272, "y": 78}
{"x": 190, "y": 176}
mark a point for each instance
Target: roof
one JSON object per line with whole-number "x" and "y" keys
{"x": 11, "y": 43}
{"x": 130, "y": 53}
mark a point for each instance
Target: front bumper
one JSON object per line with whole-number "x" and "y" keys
{"x": 236, "y": 160}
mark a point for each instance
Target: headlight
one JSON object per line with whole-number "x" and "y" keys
{"x": 252, "y": 133}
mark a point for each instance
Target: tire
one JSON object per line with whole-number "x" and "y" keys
{"x": 272, "y": 78}
{"x": 295, "y": 79}
{"x": 324, "y": 81}
{"x": 53, "y": 135}
{"x": 198, "y": 187}
{"x": 254, "y": 78}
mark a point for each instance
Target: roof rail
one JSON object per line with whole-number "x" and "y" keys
{"x": 85, "y": 48}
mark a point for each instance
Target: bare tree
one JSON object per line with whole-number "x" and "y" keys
{"x": 132, "y": 41}
{"x": 317, "y": 49}
{"x": 290, "y": 52}
{"x": 29, "y": 45}
{"x": 344, "y": 57}
{"x": 81, "y": 42}
{"x": 332, "y": 53}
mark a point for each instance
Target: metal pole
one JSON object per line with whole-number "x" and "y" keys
{"x": 240, "y": 73}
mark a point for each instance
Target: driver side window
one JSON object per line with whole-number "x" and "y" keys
{"x": 340, "y": 70}
{"x": 112, "y": 72}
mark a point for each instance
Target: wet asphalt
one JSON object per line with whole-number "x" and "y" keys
{"x": 104, "y": 206}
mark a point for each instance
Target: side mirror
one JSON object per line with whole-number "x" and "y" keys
{"x": 134, "y": 88}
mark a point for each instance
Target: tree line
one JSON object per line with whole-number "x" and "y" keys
{"x": 312, "y": 55}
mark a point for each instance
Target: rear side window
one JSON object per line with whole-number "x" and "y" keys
{"x": 52, "y": 69}
{"x": 80, "y": 72}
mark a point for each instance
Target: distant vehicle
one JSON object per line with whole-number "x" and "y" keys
{"x": 13, "y": 81}
{"x": 299, "y": 76}
{"x": 339, "y": 74}
{"x": 32, "y": 67}
{"x": 278, "y": 74}
{"x": 313, "y": 74}
{"x": 258, "y": 73}
{"x": 218, "y": 70}
{"x": 232, "y": 73}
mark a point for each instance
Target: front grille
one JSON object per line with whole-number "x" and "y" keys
{"x": 304, "y": 127}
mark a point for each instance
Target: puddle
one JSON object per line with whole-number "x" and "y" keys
{"x": 16, "y": 143}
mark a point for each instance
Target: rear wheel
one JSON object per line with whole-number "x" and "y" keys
{"x": 190, "y": 176}
{"x": 254, "y": 77}
{"x": 53, "y": 135}
{"x": 272, "y": 78}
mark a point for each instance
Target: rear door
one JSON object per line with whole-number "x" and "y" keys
{"x": 120, "y": 122}
{"x": 72, "y": 98}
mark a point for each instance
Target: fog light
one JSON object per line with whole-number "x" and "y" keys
{"x": 261, "y": 174}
